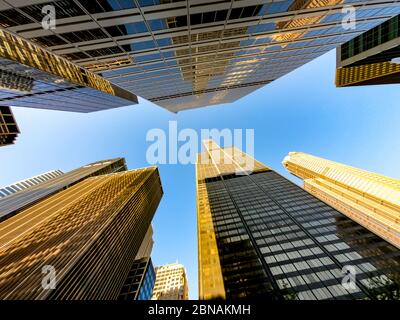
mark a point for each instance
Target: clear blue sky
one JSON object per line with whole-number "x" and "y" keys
{"x": 302, "y": 111}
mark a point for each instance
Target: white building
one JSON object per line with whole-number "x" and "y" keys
{"x": 171, "y": 283}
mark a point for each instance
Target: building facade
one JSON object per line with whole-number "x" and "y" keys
{"x": 147, "y": 245}
{"x": 141, "y": 278}
{"x": 8, "y": 127}
{"x": 371, "y": 58}
{"x": 14, "y": 203}
{"x": 83, "y": 241}
{"x": 369, "y": 199}
{"x": 27, "y": 183}
{"x": 171, "y": 283}
{"x": 140, "y": 281}
{"x": 195, "y": 53}
{"x": 31, "y": 76}
{"x": 260, "y": 235}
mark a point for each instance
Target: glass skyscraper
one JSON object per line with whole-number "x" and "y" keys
{"x": 31, "y": 76}
{"x": 140, "y": 281}
{"x": 87, "y": 235}
{"x": 370, "y": 199}
{"x": 261, "y": 235}
{"x": 187, "y": 54}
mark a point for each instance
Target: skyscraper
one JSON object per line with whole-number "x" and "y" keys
{"x": 171, "y": 283}
{"x": 14, "y": 203}
{"x": 187, "y": 54}
{"x": 368, "y": 198}
{"x": 140, "y": 281}
{"x": 371, "y": 58}
{"x": 8, "y": 127}
{"x": 27, "y": 183}
{"x": 31, "y": 76}
{"x": 79, "y": 243}
{"x": 141, "y": 278}
{"x": 260, "y": 235}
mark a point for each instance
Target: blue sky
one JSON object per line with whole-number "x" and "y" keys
{"x": 302, "y": 111}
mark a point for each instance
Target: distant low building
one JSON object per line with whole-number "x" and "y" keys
{"x": 171, "y": 283}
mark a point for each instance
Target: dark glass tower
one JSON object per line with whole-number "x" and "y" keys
{"x": 140, "y": 281}
{"x": 260, "y": 235}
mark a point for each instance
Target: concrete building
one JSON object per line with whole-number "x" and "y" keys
{"x": 171, "y": 283}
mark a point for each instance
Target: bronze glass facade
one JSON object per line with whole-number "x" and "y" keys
{"x": 89, "y": 234}
{"x": 275, "y": 240}
{"x": 188, "y": 54}
{"x": 14, "y": 203}
{"x": 31, "y": 76}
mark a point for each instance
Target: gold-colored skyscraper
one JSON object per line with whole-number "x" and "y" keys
{"x": 370, "y": 199}
{"x": 88, "y": 236}
{"x": 262, "y": 236}
{"x": 211, "y": 164}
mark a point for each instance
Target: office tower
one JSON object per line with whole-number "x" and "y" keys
{"x": 140, "y": 281}
{"x": 171, "y": 283}
{"x": 14, "y": 203}
{"x": 188, "y": 54}
{"x": 369, "y": 199}
{"x": 8, "y": 127}
{"x": 31, "y": 76}
{"x": 79, "y": 243}
{"x": 260, "y": 235}
{"x": 27, "y": 183}
{"x": 371, "y": 58}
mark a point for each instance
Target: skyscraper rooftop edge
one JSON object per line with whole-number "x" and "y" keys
{"x": 232, "y": 48}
